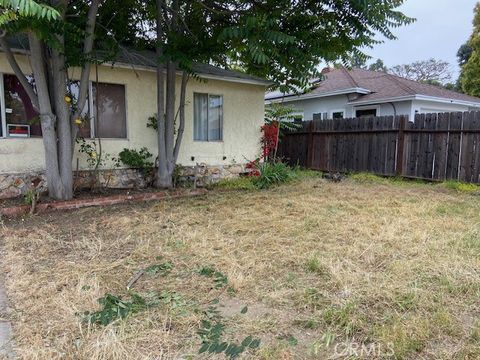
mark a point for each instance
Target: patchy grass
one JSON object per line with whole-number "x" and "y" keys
{"x": 462, "y": 187}
{"x": 239, "y": 183}
{"x": 300, "y": 270}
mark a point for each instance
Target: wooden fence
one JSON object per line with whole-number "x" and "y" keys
{"x": 435, "y": 146}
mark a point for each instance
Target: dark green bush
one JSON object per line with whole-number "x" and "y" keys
{"x": 137, "y": 159}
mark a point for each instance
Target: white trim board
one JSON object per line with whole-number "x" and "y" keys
{"x": 290, "y": 98}
{"x": 416, "y": 97}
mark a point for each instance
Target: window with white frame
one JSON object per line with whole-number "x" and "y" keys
{"x": 19, "y": 117}
{"x": 338, "y": 114}
{"x": 207, "y": 117}
{"x": 19, "y": 113}
{"x": 111, "y": 120}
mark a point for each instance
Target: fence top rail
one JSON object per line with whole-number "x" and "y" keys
{"x": 379, "y": 131}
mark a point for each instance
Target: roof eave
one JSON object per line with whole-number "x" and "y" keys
{"x": 152, "y": 68}
{"x": 416, "y": 97}
{"x": 201, "y": 75}
{"x": 447, "y": 100}
{"x": 289, "y": 98}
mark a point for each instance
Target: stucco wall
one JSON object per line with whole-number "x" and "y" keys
{"x": 243, "y": 115}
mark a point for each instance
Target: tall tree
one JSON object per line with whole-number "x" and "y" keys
{"x": 378, "y": 65}
{"x": 464, "y": 53}
{"x": 428, "y": 71}
{"x": 56, "y": 42}
{"x": 470, "y": 74}
{"x": 281, "y": 40}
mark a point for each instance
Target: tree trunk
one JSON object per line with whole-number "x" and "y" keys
{"x": 64, "y": 126}
{"x": 163, "y": 180}
{"x": 56, "y": 188}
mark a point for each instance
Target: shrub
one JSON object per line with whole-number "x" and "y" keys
{"x": 272, "y": 174}
{"x": 137, "y": 159}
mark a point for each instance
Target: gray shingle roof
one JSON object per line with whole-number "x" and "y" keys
{"x": 148, "y": 58}
{"x": 381, "y": 86}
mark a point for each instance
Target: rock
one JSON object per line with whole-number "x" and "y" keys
{"x": 19, "y": 182}
{"x": 11, "y": 192}
{"x": 235, "y": 169}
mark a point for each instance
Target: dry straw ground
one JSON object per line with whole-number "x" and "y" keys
{"x": 326, "y": 269}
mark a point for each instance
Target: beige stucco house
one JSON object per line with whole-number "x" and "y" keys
{"x": 224, "y": 112}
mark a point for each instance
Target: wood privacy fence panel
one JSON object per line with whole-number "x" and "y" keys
{"x": 434, "y": 146}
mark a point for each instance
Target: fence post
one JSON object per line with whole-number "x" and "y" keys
{"x": 310, "y": 146}
{"x": 401, "y": 146}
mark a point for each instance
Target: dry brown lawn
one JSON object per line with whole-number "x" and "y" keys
{"x": 327, "y": 270}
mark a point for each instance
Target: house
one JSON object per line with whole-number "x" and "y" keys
{"x": 224, "y": 112}
{"x": 343, "y": 93}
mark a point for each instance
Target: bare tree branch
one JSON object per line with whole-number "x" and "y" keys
{"x": 430, "y": 70}
{"x": 18, "y": 72}
{"x": 87, "y": 49}
{"x": 181, "y": 125}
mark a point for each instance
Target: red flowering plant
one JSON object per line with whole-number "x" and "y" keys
{"x": 270, "y": 140}
{"x": 277, "y": 118}
{"x": 253, "y": 167}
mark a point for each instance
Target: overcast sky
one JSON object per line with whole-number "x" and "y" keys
{"x": 442, "y": 26}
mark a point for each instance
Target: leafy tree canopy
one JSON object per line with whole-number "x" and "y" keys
{"x": 470, "y": 75}
{"x": 281, "y": 40}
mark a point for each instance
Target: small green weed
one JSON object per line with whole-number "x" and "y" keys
{"x": 162, "y": 269}
{"x": 307, "y": 323}
{"x": 289, "y": 339}
{"x": 406, "y": 301}
{"x": 113, "y": 308}
{"x": 220, "y": 279}
{"x": 211, "y": 332}
{"x": 315, "y": 266}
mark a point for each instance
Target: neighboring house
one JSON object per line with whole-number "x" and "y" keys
{"x": 224, "y": 112}
{"x": 346, "y": 93}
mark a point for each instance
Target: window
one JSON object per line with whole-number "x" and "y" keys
{"x": 84, "y": 130}
{"x": 208, "y": 117}
{"x": 111, "y": 121}
{"x": 338, "y": 114}
{"x": 18, "y": 107}
{"x": 366, "y": 112}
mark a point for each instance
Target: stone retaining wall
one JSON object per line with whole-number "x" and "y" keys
{"x": 15, "y": 185}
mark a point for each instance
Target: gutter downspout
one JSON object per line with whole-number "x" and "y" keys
{"x": 394, "y": 108}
